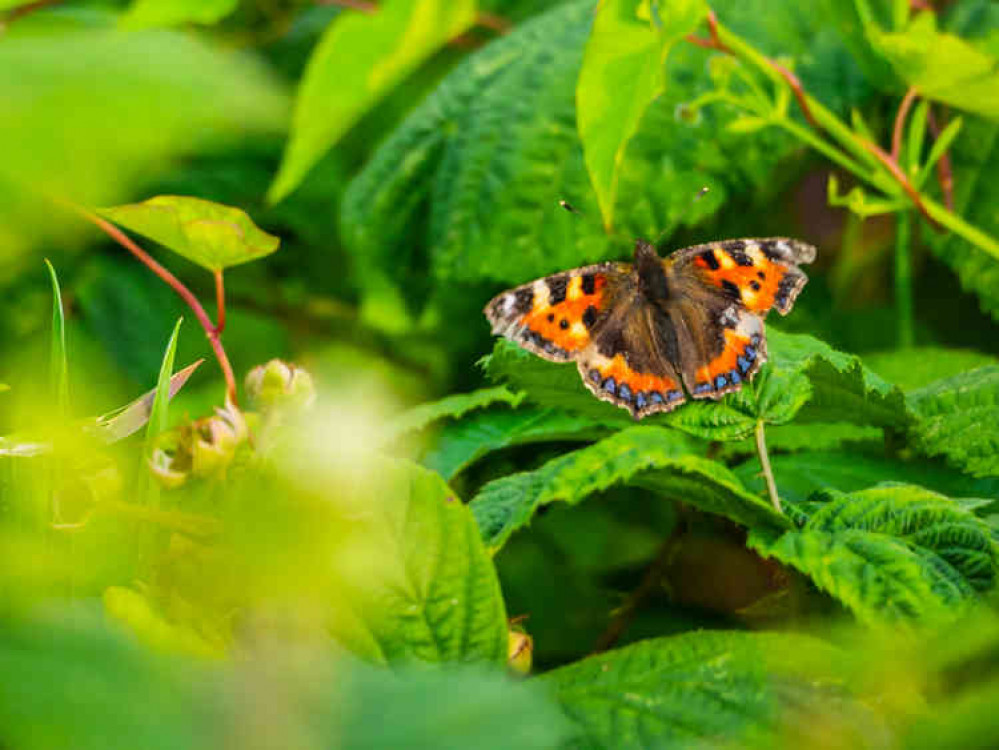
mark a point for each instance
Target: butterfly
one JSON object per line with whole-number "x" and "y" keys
{"x": 648, "y": 335}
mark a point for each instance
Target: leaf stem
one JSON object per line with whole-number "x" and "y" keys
{"x": 945, "y": 174}
{"x": 211, "y": 331}
{"x": 900, "y": 117}
{"x": 220, "y": 302}
{"x": 903, "y": 279}
{"x": 768, "y": 474}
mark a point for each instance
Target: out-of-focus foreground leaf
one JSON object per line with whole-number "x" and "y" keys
{"x": 209, "y": 234}
{"x": 148, "y": 14}
{"x": 358, "y": 60}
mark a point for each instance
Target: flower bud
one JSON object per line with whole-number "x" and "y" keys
{"x": 203, "y": 448}
{"x": 520, "y": 651}
{"x": 279, "y": 384}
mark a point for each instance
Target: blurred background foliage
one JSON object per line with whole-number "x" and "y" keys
{"x": 411, "y": 156}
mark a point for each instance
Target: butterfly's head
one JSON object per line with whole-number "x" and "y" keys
{"x": 649, "y": 269}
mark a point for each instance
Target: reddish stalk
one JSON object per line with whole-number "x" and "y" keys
{"x": 361, "y": 5}
{"x": 211, "y": 331}
{"x": 896, "y": 171}
{"x": 799, "y": 92}
{"x": 945, "y": 173}
{"x": 900, "y": 117}
{"x": 220, "y": 302}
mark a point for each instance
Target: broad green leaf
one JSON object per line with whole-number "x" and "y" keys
{"x": 136, "y": 100}
{"x": 432, "y": 595}
{"x": 359, "y": 59}
{"x": 58, "y": 366}
{"x": 147, "y": 14}
{"x": 140, "y": 617}
{"x": 622, "y": 73}
{"x": 451, "y": 407}
{"x": 650, "y": 457}
{"x": 919, "y": 366}
{"x": 209, "y": 234}
{"x": 699, "y": 688}
{"x": 802, "y": 474}
{"x": 807, "y": 436}
{"x": 461, "y": 443}
{"x": 958, "y": 418}
{"x": 803, "y": 375}
{"x": 891, "y": 553}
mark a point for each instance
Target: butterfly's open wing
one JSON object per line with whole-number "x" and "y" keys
{"x": 720, "y": 293}
{"x": 554, "y": 317}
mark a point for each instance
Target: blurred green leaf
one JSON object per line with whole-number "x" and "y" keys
{"x": 58, "y": 361}
{"x": 958, "y": 418}
{"x": 209, "y": 234}
{"x": 690, "y": 690}
{"x": 891, "y": 553}
{"x": 433, "y": 596}
{"x": 138, "y": 615}
{"x": 164, "y": 385}
{"x": 919, "y": 366}
{"x": 451, "y": 407}
{"x": 648, "y": 457}
{"x": 146, "y": 14}
{"x": 89, "y": 113}
{"x": 622, "y": 73}
{"x": 358, "y": 60}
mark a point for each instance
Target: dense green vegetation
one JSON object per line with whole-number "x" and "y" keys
{"x": 335, "y": 512}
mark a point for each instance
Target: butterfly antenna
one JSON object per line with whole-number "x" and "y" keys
{"x": 700, "y": 194}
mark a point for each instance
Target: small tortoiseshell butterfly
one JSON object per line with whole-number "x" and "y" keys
{"x": 647, "y": 335}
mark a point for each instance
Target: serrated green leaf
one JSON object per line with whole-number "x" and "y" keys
{"x": 650, "y": 457}
{"x": 802, "y": 474}
{"x": 434, "y": 595}
{"x": 359, "y": 59}
{"x": 958, "y": 418}
{"x": 451, "y": 407}
{"x": 692, "y": 689}
{"x": 148, "y": 14}
{"x": 461, "y": 443}
{"x": 622, "y": 73}
{"x": 891, "y": 553}
{"x": 58, "y": 361}
{"x": 209, "y": 234}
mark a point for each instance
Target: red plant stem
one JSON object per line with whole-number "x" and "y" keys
{"x": 799, "y": 92}
{"x": 23, "y": 10}
{"x": 896, "y": 171}
{"x": 493, "y": 22}
{"x": 945, "y": 173}
{"x": 900, "y": 117}
{"x": 220, "y": 301}
{"x": 361, "y": 5}
{"x": 211, "y": 332}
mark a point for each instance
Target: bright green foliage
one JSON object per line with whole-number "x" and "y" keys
{"x": 161, "y": 401}
{"x": 891, "y": 553}
{"x": 451, "y": 407}
{"x": 920, "y": 366}
{"x": 462, "y": 443}
{"x": 58, "y": 363}
{"x": 689, "y": 690}
{"x": 146, "y": 14}
{"x": 138, "y": 615}
{"x": 357, "y": 62}
{"x": 959, "y": 419}
{"x": 650, "y": 457}
{"x": 211, "y": 235}
{"x": 432, "y": 594}
{"x": 622, "y": 73}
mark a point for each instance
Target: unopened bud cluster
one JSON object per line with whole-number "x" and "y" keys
{"x": 280, "y": 385}
{"x": 204, "y": 448}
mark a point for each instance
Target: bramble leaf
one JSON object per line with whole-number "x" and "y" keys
{"x": 919, "y": 366}
{"x": 209, "y": 234}
{"x": 958, "y": 418}
{"x": 650, "y": 457}
{"x": 358, "y": 60}
{"x": 622, "y": 73}
{"x": 451, "y": 407}
{"x": 890, "y": 553}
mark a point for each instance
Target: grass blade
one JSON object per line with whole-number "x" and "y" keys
{"x": 58, "y": 367}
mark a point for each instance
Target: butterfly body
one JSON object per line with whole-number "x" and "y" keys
{"x": 648, "y": 335}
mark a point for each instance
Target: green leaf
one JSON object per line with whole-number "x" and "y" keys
{"x": 139, "y": 616}
{"x": 209, "y": 234}
{"x": 800, "y": 475}
{"x": 136, "y": 99}
{"x": 359, "y": 59}
{"x": 461, "y": 443}
{"x": 622, "y": 73}
{"x": 891, "y": 553}
{"x": 958, "y": 418}
{"x": 919, "y": 366}
{"x": 146, "y": 14}
{"x": 692, "y": 690}
{"x": 149, "y": 490}
{"x": 434, "y": 595}
{"x": 451, "y": 407}
{"x": 650, "y": 457}
{"x": 803, "y": 375}
{"x": 58, "y": 367}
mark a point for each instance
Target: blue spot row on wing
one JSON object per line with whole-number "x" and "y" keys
{"x": 623, "y": 392}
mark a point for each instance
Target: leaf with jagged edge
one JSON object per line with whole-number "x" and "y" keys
{"x": 804, "y": 377}
{"x": 958, "y": 418}
{"x": 892, "y": 553}
{"x": 651, "y": 457}
{"x": 689, "y": 690}
{"x": 451, "y": 407}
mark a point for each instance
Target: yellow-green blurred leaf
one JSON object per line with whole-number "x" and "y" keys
{"x": 622, "y": 73}
{"x": 358, "y": 60}
{"x": 145, "y": 14}
{"x": 209, "y": 234}
{"x": 134, "y": 611}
